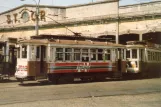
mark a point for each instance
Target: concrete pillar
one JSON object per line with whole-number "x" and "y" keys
{"x": 117, "y": 33}
{"x": 7, "y": 51}
{"x": 117, "y": 24}
{"x": 140, "y": 37}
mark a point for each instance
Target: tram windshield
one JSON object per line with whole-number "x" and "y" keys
{"x": 128, "y": 53}
{"x": 131, "y": 53}
{"x": 22, "y": 51}
{"x": 134, "y": 53}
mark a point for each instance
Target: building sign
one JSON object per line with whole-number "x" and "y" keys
{"x": 25, "y": 15}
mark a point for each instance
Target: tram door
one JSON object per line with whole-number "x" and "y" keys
{"x": 8, "y": 59}
{"x": 42, "y": 59}
{"x": 121, "y": 62}
{"x": 12, "y": 59}
{"x": 39, "y": 64}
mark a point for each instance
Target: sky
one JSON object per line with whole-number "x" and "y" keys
{"x": 9, "y": 4}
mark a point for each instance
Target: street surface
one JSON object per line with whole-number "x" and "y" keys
{"x": 131, "y": 93}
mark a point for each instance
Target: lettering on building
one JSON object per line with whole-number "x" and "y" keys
{"x": 25, "y": 15}
{"x": 8, "y": 19}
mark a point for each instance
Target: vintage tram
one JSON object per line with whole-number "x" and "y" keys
{"x": 59, "y": 59}
{"x": 143, "y": 59}
{"x": 7, "y": 57}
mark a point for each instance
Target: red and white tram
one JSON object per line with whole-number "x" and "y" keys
{"x": 143, "y": 59}
{"x": 69, "y": 59}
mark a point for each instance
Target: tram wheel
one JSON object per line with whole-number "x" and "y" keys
{"x": 53, "y": 78}
{"x": 32, "y": 78}
{"x": 1, "y": 78}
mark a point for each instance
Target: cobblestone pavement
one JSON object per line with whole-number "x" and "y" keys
{"x": 132, "y": 93}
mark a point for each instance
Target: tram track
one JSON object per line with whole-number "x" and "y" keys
{"x": 24, "y": 94}
{"x": 76, "y": 97}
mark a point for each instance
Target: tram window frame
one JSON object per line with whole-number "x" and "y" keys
{"x": 77, "y": 54}
{"x": 18, "y": 52}
{"x": 93, "y": 54}
{"x": 59, "y": 55}
{"x": 85, "y": 55}
{"x": 24, "y": 51}
{"x": 107, "y": 54}
{"x": 100, "y": 54}
{"x": 68, "y": 54}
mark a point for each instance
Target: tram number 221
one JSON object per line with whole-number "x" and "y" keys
{"x": 84, "y": 67}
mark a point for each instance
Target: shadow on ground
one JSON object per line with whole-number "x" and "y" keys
{"x": 7, "y": 81}
{"x": 46, "y": 82}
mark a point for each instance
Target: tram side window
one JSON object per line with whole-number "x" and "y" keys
{"x": 153, "y": 56}
{"x": 134, "y": 53}
{"x": 149, "y": 56}
{"x": 18, "y": 52}
{"x": 93, "y": 54}
{"x": 37, "y": 52}
{"x": 128, "y": 54}
{"x": 77, "y": 54}
{"x": 24, "y": 51}
{"x": 100, "y": 54}
{"x": 157, "y": 56}
{"x": 141, "y": 54}
{"x": 59, "y": 54}
{"x": 68, "y": 54}
{"x": 107, "y": 54}
{"x": 43, "y": 48}
{"x": 85, "y": 56}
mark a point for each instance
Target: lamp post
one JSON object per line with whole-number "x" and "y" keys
{"x": 37, "y": 16}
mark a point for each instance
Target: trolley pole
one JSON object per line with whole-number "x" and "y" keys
{"x": 37, "y": 16}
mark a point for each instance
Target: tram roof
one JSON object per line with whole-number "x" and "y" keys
{"x": 77, "y": 36}
{"x": 142, "y": 44}
{"x": 68, "y": 42}
{"x": 135, "y": 46}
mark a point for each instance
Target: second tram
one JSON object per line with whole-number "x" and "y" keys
{"x": 143, "y": 59}
{"x": 7, "y": 57}
{"x": 69, "y": 59}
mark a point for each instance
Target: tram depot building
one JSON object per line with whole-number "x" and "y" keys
{"x": 101, "y": 19}
{"x": 96, "y": 19}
